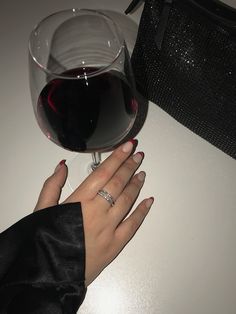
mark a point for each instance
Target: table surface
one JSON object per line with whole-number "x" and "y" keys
{"x": 182, "y": 260}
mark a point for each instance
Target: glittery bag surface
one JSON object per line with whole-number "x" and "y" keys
{"x": 184, "y": 60}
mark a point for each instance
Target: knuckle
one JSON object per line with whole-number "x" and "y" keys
{"x": 52, "y": 183}
{"x": 103, "y": 173}
{"x": 136, "y": 184}
{"x": 48, "y": 182}
{"x": 134, "y": 224}
{"x": 117, "y": 182}
{"x": 130, "y": 165}
{"x": 138, "y": 217}
{"x": 128, "y": 198}
{"x": 119, "y": 156}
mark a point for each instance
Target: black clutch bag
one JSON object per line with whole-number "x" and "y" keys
{"x": 184, "y": 60}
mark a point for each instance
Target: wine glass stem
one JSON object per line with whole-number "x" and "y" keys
{"x": 96, "y": 156}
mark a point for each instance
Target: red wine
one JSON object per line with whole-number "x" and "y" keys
{"x": 90, "y": 113}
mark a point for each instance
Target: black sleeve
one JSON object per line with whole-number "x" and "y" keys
{"x": 42, "y": 262}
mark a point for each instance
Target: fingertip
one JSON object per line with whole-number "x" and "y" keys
{"x": 60, "y": 165}
{"x": 141, "y": 176}
{"x": 129, "y": 146}
{"x": 51, "y": 191}
{"x": 149, "y": 202}
{"x": 62, "y": 162}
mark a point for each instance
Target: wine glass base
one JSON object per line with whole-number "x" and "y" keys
{"x": 79, "y": 167}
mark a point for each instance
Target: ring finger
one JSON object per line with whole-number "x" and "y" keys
{"x": 117, "y": 183}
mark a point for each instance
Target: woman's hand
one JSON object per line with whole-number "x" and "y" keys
{"x": 107, "y": 228}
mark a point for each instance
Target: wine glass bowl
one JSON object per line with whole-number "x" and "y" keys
{"x": 81, "y": 81}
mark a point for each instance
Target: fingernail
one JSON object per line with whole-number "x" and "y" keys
{"x": 134, "y": 142}
{"x": 61, "y": 163}
{"x": 149, "y": 202}
{"x": 138, "y": 157}
{"x": 128, "y": 146}
{"x": 141, "y": 175}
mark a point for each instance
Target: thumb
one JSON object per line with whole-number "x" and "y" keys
{"x": 52, "y": 187}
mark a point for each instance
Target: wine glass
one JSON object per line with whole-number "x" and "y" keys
{"x": 81, "y": 82}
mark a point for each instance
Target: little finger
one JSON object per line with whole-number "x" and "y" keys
{"x": 127, "y": 229}
{"x": 127, "y": 198}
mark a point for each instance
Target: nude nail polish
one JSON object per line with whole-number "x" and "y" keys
{"x": 138, "y": 157}
{"x": 61, "y": 163}
{"x": 149, "y": 202}
{"x": 141, "y": 176}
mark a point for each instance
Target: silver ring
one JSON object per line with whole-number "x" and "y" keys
{"x": 106, "y": 196}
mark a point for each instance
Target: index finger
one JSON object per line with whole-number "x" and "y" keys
{"x": 99, "y": 177}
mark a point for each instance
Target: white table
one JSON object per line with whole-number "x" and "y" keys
{"x": 183, "y": 259}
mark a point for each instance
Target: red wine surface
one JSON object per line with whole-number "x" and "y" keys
{"x": 90, "y": 113}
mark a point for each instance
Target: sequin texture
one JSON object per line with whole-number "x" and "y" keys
{"x": 193, "y": 75}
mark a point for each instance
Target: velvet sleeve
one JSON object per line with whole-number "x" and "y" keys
{"x": 42, "y": 262}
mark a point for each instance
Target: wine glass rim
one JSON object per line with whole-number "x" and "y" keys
{"x": 90, "y": 74}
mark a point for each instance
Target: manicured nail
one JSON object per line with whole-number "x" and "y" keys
{"x": 61, "y": 163}
{"x": 138, "y": 157}
{"x": 141, "y": 175}
{"x": 134, "y": 141}
{"x": 128, "y": 146}
{"x": 149, "y": 202}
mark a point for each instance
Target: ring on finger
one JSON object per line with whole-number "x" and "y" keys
{"x": 107, "y": 196}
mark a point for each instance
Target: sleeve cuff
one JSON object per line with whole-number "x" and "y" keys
{"x": 44, "y": 254}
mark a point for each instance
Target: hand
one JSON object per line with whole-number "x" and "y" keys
{"x": 107, "y": 228}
